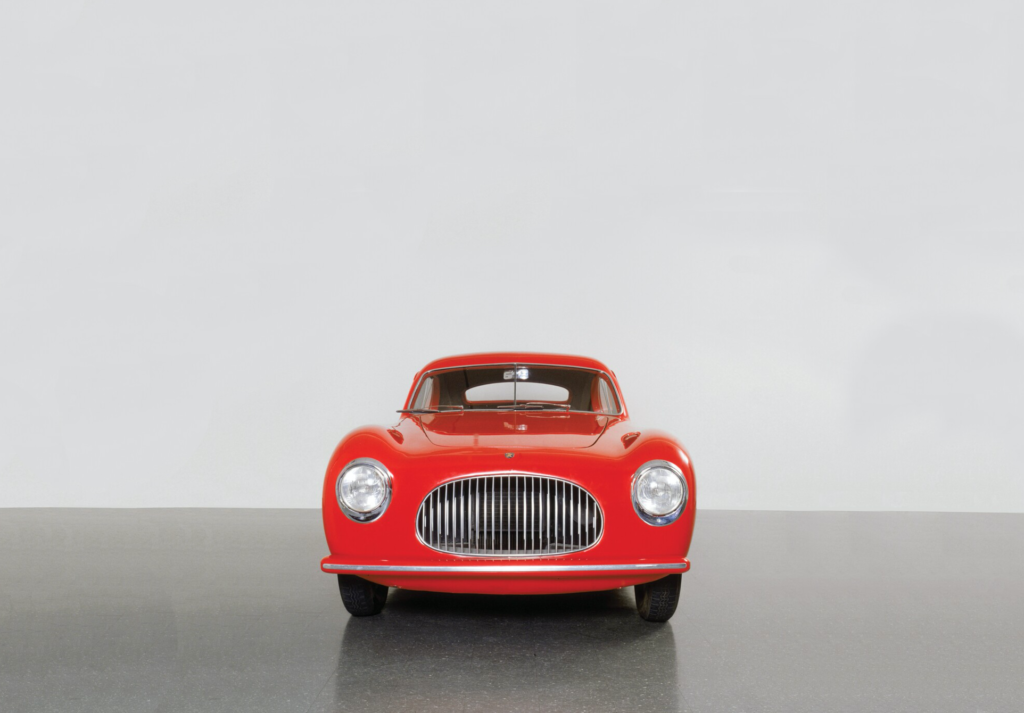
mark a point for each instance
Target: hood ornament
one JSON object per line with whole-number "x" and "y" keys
{"x": 509, "y": 455}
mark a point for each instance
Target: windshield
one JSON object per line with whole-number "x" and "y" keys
{"x": 522, "y": 387}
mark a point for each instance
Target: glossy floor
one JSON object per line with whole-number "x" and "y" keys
{"x": 225, "y": 610}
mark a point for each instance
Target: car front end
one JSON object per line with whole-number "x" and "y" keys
{"x": 542, "y": 500}
{"x": 510, "y": 522}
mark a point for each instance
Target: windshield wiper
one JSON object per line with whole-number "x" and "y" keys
{"x": 538, "y": 405}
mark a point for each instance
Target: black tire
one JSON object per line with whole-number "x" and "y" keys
{"x": 361, "y": 597}
{"x": 657, "y": 601}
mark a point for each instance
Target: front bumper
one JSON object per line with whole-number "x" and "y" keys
{"x": 503, "y": 577}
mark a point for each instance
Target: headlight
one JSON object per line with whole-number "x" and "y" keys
{"x": 659, "y": 492}
{"x": 364, "y": 489}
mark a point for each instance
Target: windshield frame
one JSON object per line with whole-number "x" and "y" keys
{"x": 419, "y": 383}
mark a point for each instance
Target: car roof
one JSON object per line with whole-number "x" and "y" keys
{"x": 516, "y": 358}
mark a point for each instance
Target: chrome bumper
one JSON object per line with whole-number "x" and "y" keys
{"x": 510, "y": 568}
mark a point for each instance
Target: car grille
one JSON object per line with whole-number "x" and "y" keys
{"x": 508, "y": 516}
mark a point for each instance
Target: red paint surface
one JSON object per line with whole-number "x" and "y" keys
{"x": 586, "y": 449}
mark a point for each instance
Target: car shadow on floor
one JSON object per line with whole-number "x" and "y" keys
{"x": 472, "y": 652}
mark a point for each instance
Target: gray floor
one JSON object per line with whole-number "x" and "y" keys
{"x": 225, "y": 610}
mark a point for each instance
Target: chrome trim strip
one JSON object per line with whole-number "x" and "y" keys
{"x": 508, "y": 568}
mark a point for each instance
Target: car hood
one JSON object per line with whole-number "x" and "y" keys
{"x": 517, "y": 430}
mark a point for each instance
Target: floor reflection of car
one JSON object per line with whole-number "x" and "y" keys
{"x": 510, "y": 473}
{"x": 581, "y": 652}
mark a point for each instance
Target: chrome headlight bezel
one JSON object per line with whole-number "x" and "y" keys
{"x": 659, "y": 520}
{"x": 356, "y": 515}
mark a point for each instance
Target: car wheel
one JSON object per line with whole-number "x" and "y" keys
{"x": 657, "y": 601}
{"x": 361, "y": 597}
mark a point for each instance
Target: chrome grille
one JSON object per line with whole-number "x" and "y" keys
{"x": 508, "y": 516}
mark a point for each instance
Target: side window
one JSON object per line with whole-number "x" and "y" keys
{"x": 425, "y": 393}
{"x": 608, "y": 403}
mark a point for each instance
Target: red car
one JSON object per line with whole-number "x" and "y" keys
{"x": 510, "y": 473}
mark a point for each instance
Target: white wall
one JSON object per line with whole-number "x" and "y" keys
{"x": 231, "y": 232}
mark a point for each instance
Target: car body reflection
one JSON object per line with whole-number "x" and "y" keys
{"x": 477, "y": 652}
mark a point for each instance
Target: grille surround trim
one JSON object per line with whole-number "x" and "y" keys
{"x": 556, "y": 483}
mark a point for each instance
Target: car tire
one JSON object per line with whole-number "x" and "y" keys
{"x": 361, "y": 597}
{"x": 657, "y": 600}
